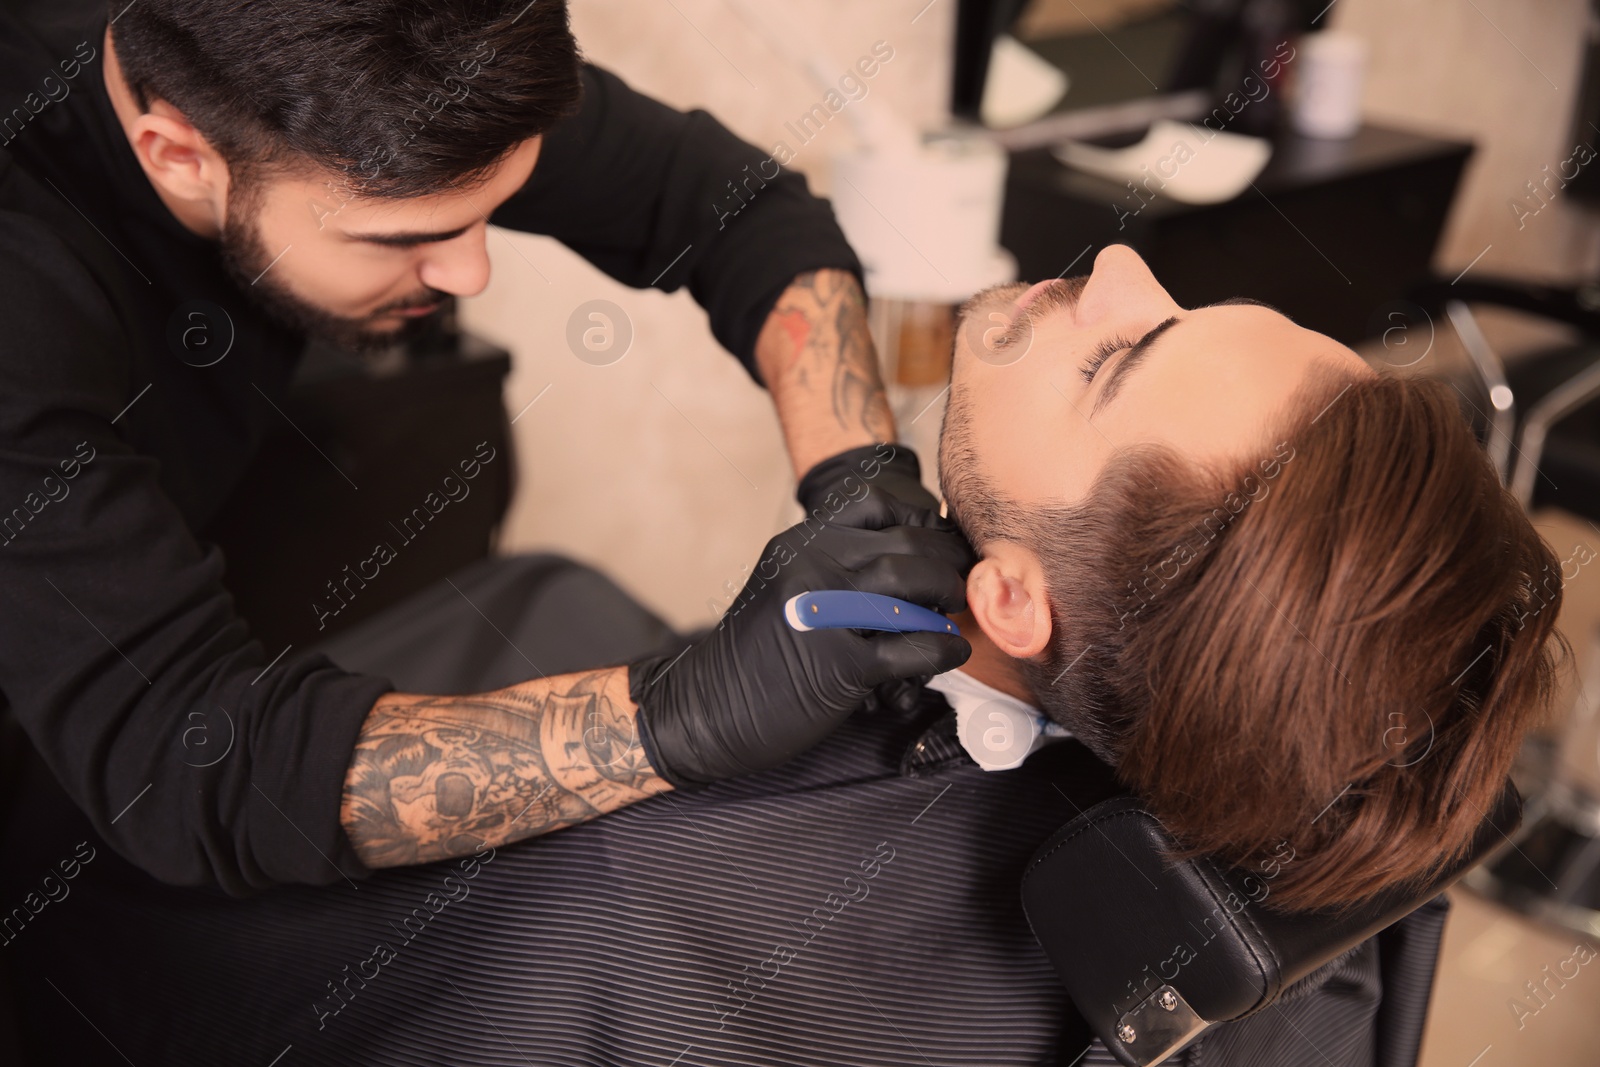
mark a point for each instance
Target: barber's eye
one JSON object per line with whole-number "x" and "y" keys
{"x": 1102, "y": 352}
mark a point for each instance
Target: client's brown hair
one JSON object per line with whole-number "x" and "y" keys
{"x": 1335, "y": 648}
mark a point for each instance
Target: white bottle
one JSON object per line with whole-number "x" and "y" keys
{"x": 1327, "y": 101}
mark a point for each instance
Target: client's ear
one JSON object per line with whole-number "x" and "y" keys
{"x": 1006, "y": 594}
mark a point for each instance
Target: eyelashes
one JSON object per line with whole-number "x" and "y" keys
{"x": 1102, "y": 352}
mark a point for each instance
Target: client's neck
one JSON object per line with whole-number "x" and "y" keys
{"x": 990, "y": 665}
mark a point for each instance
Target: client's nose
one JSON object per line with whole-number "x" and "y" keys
{"x": 1122, "y": 289}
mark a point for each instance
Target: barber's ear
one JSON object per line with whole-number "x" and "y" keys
{"x": 1006, "y": 594}
{"x": 177, "y": 157}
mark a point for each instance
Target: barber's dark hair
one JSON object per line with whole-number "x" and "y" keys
{"x": 1319, "y": 664}
{"x": 398, "y": 97}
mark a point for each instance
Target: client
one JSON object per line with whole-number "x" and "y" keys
{"x": 1284, "y": 598}
{"x": 1287, "y": 598}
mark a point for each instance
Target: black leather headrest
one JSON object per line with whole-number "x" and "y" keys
{"x": 1152, "y": 952}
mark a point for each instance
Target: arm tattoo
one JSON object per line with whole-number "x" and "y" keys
{"x": 439, "y": 776}
{"x": 817, "y": 357}
{"x": 857, "y": 388}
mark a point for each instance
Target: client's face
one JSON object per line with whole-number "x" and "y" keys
{"x": 1112, "y": 362}
{"x": 1053, "y": 381}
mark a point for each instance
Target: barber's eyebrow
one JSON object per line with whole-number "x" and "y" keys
{"x": 1141, "y": 349}
{"x": 406, "y": 239}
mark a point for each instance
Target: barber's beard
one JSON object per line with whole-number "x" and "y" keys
{"x": 249, "y": 262}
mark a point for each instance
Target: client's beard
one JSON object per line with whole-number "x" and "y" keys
{"x": 1070, "y": 679}
{"x": 248, "y": 261}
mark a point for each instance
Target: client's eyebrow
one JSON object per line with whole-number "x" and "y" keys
{"x": 1135, "y": 356}
{"x": 1245, "y": 301}
{"x": 1141, "y": 349}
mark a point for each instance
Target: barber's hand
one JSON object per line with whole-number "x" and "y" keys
{"x": 755, "y": 692}
{"x": 854, "y": 477}
{"x": 861, "y": 480}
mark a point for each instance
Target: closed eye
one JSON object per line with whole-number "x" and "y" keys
{"x": 1112, "y": 345}
{"x": 1102, "y": 352}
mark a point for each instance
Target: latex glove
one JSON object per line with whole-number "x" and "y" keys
{"x": 853, "y": 478}
{"x": 860, "y": 480}
{"x": 754, "y": 693}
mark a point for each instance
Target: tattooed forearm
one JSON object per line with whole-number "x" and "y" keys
{"x": 817, "y": 358}
{"x": 439, "y": 776}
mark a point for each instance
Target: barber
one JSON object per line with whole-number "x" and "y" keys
{"x": 309, "y": 176}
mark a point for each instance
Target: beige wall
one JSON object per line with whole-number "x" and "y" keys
{"x": 1502, "y": 73}
{"x": 666, "y": 468}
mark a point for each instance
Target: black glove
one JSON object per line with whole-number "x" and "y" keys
{"x": 859, "y": 481}
{"x": 754, "y": 692}
{"x": 851, "y": 479}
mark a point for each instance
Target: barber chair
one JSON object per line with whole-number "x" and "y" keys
{"x": 1539, "y": 414}
{"x": 1159, "y": 957}
{"x": 1539, "y": 418}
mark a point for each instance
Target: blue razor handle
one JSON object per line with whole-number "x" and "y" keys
{"x": 839, "y": 609}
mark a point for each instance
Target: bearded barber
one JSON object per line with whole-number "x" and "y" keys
{"x": 318, "y": 174}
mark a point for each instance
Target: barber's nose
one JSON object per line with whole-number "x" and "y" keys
{"x": 459, "y": 266}
{"x": 1121, "y": 288}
